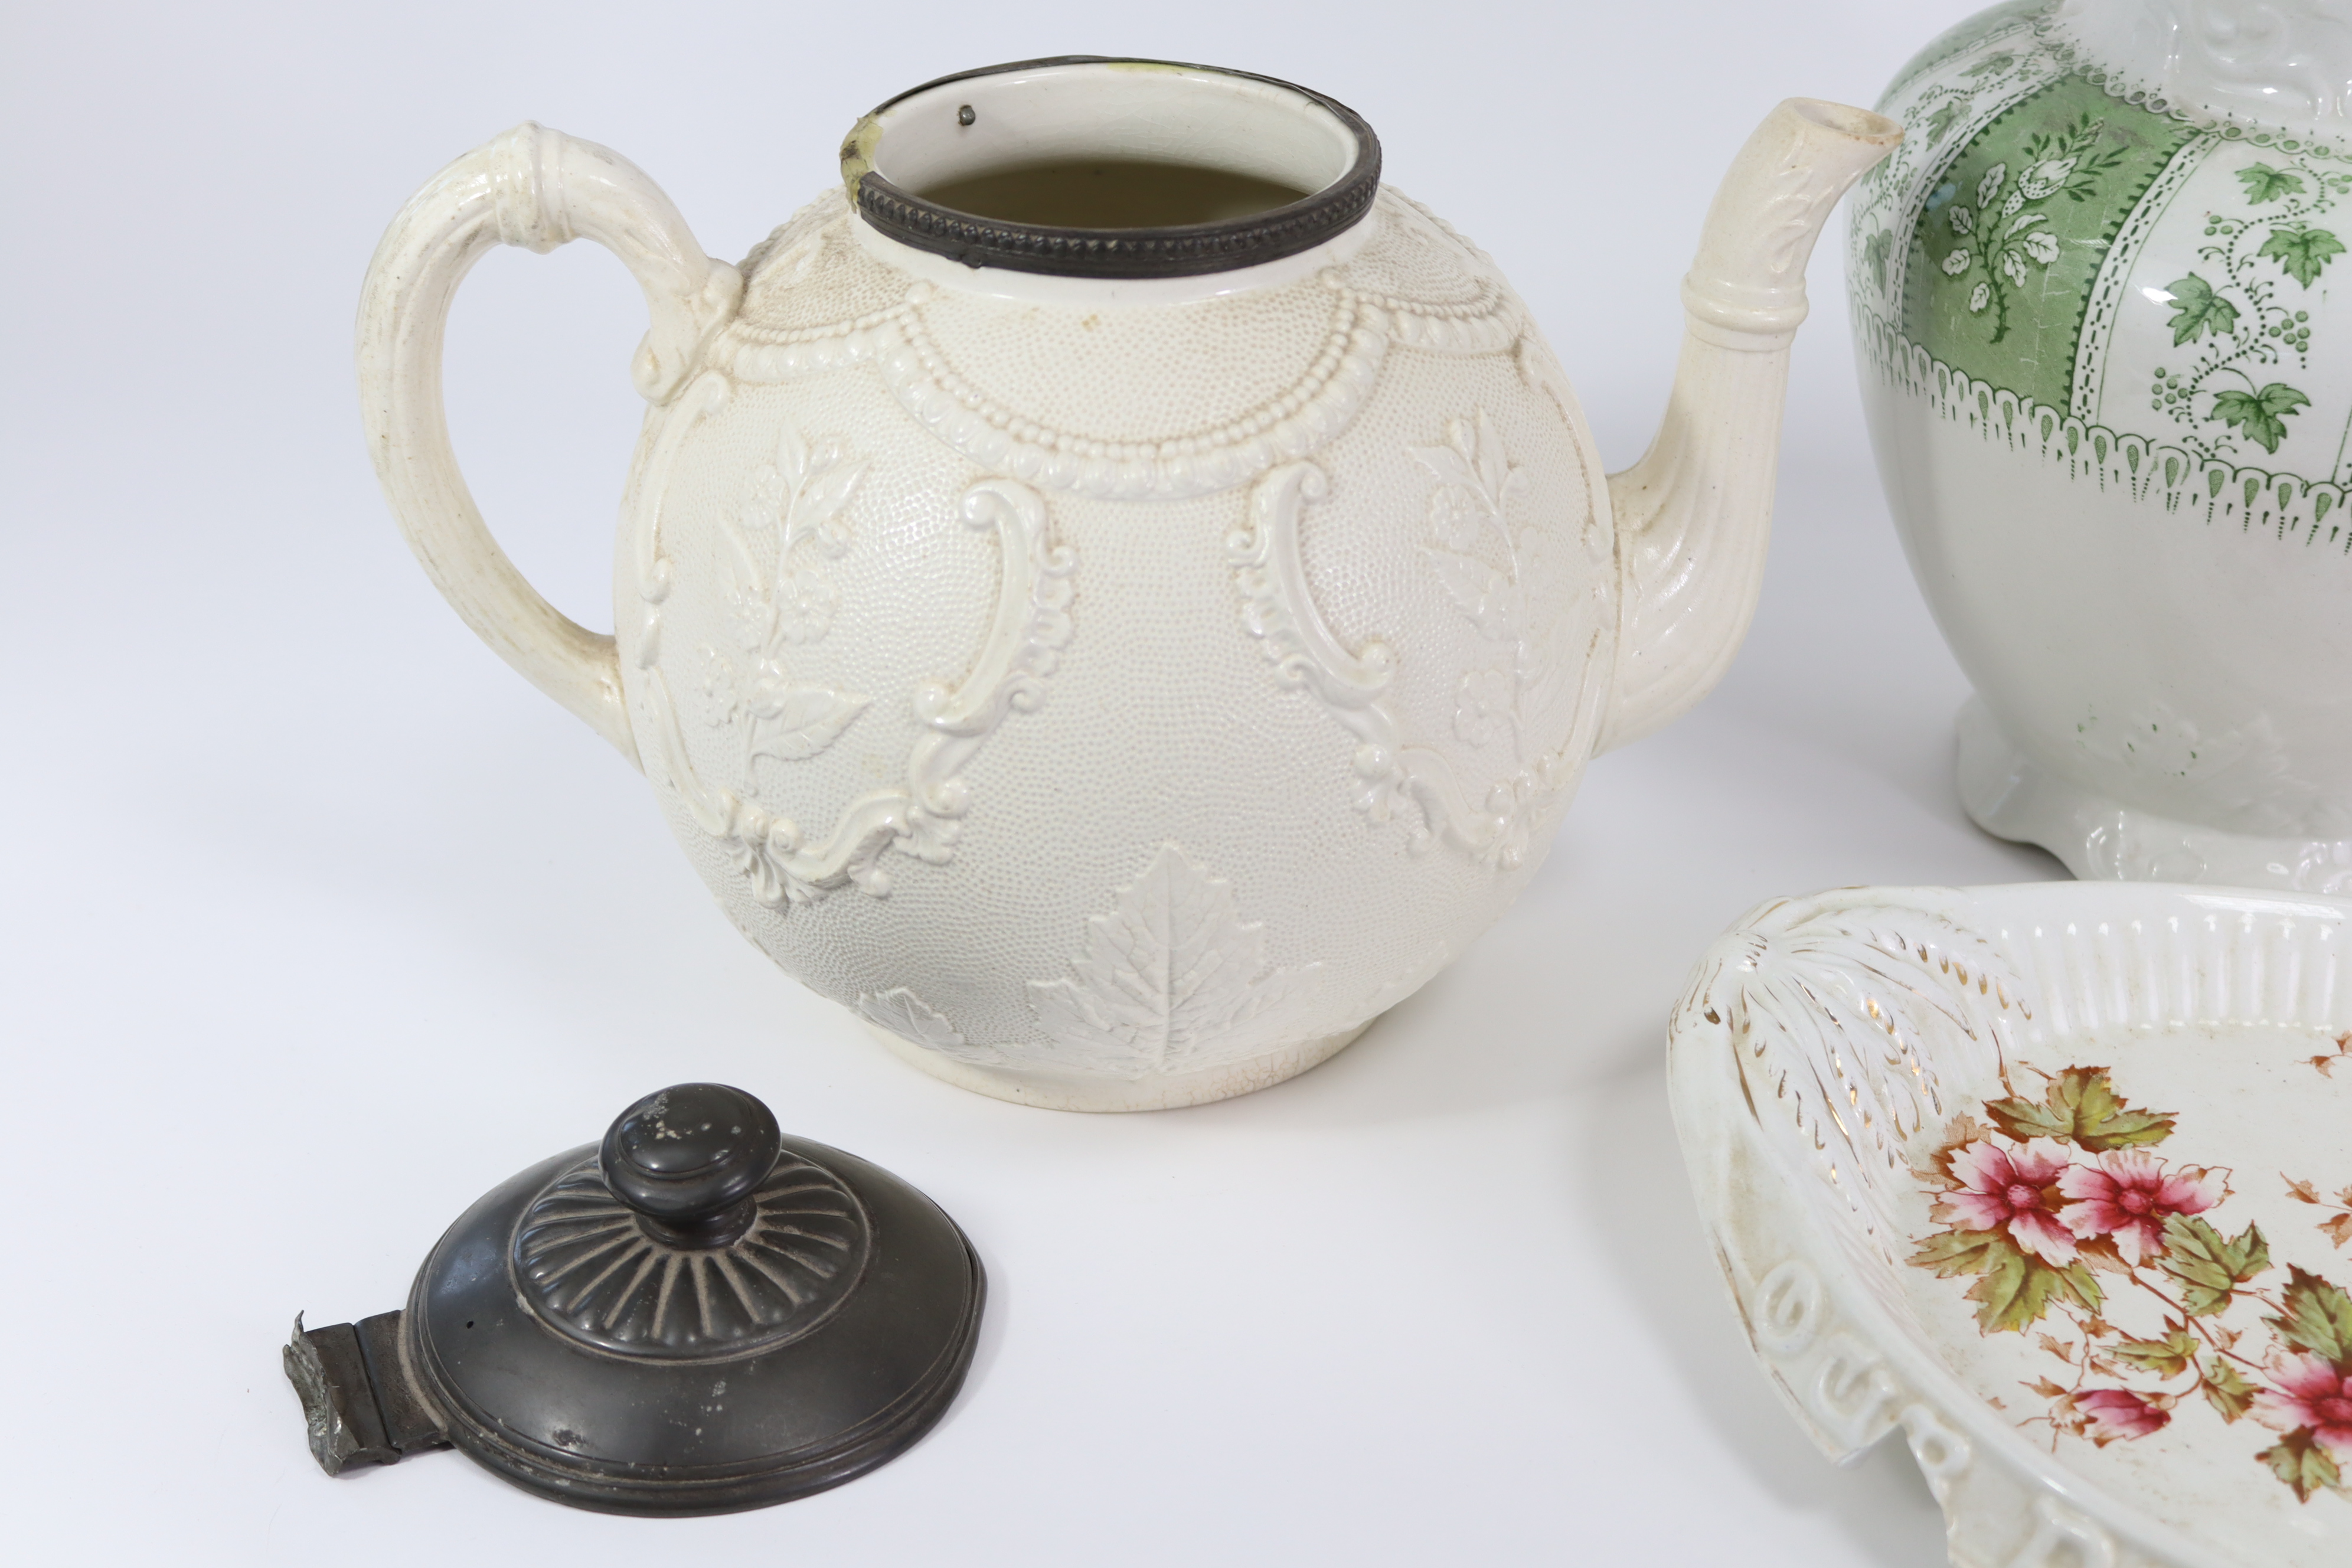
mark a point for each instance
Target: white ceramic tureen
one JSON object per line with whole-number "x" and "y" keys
{"x": 1115, "y": 594}
{"x": 2096, "y": 300}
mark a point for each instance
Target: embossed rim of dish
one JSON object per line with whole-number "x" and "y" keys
{"x": 1179, "y": 250}
{"x": 2072, "y": 955}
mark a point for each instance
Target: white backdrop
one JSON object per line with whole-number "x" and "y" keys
{"x": 318, "y": 922}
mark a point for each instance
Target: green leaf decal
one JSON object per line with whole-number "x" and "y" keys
{"x": 2019, "y": 1290}
{"x": 2318, "y": 1318}
{"x": 2302, "y": 251}
{"x": 2166, "y": 1357}
{"x": 1955, "y": 1252}
{"x": 2262, "y": 415}
{"x": 2225, "y": 1390}
{"x": 2197, "y": 311}
{"x": 2265, "y": 183}
{"x": 1993, "y": 66}
{"x": 2299, "y": 1461}
{"x": 2207, "y": 1267}
{"x": 1876, "y": 249}
{"x": 2081, "y": 1107}
{"x": 1940, "y": 124}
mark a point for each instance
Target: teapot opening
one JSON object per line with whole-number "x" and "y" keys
{"x": 1109, "y": 168}
{"x": 1111, "y": 193}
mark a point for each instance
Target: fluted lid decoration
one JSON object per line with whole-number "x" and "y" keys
{"x": 701, "y": 1314}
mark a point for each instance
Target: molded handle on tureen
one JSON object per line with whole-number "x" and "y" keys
{"x": 536, "y": 188}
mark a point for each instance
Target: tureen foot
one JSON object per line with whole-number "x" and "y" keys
{"x": 2013, "y": 796}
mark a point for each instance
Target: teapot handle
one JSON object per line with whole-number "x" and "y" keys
{"x": 536, "y": 188}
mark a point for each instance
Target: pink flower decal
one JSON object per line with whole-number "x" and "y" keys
{"x": 2127, "y": 1194}
{"x": 2312, "y": 1393}
{"x": 2018, "y": 1191}
{"x": 2119, "y": 1412}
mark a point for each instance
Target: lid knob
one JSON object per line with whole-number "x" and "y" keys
{"x": 688, "y": 1161}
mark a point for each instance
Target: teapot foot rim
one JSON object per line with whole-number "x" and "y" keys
{"x": 1105, "y": 1094}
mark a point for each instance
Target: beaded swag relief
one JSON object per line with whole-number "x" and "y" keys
{"x": 1171, "y": 979}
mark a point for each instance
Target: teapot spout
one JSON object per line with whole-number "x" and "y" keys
{"x": 1692, "y": 516}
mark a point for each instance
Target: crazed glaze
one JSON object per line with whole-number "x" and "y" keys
{"x": 1119, "y": 690}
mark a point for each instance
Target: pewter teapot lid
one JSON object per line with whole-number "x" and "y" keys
{"x": 699, "y": 1315}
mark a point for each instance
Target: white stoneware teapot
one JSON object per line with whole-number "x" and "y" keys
{"x": 1115, "y": 594}
{"x": 2097, "y": 298}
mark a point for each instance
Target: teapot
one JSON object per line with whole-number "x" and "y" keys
{"x": 1114, "y": 593}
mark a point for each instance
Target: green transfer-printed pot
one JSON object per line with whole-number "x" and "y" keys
{"x": 2105, "y": 339}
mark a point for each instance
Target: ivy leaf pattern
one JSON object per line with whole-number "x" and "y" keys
{"x": 2261, "y": 413}
{"x": 2197, "y": 311}
{"x": 2265, "y": 183}
{"x": 2081, "y": 1107}
{"x": 2244, "y": 310}
{"x": 2301, "y": 252}
{"x": 1171, "y": 980}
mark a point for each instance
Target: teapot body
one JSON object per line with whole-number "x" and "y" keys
{"x": 2102, "y": 312}
{"x": 1115, "y": 595}
{"x": 1117, "y": 691}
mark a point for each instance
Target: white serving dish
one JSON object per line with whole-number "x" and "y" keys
{"x": 1849, "y": 1073}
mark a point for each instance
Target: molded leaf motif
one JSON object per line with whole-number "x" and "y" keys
{"x": 796, "y": 722}
{"x": 1171, "y": 980}
{"x": 776, "y": 596}
{"x": 906, "y": 1016}
{"x": 1526, "y": 603}
{"x": 1477, "y": 590}
{"x": 1475, "y": 482}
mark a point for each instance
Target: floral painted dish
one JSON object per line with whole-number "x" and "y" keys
{"x": 2057, "y": 1179}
